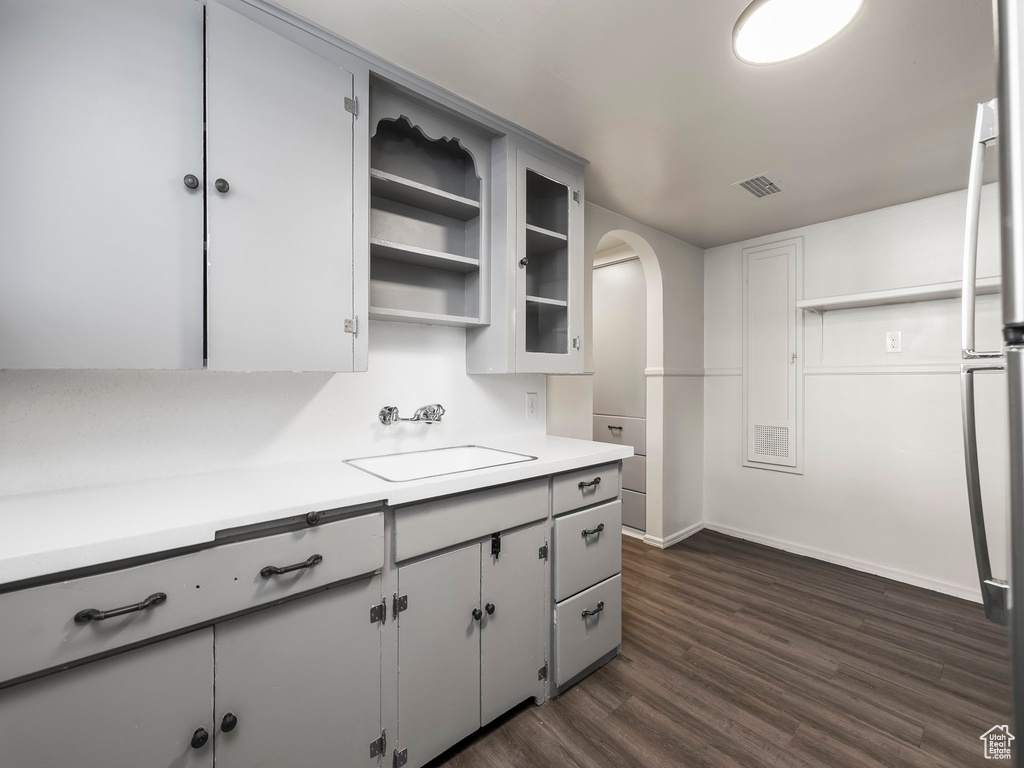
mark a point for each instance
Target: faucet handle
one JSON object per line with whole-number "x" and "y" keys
{"x": 431, "y": 412}
{"x": 388, "y": 415}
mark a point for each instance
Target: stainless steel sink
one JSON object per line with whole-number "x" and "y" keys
{"x": 419, "y": 465}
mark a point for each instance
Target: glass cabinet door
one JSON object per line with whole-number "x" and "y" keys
{"x": 549, "y": 287}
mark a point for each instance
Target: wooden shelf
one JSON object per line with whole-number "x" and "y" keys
{"x": 539, "y": 240}
{"x": 985, "y": 285}
{"x": 546, "y": 302}
{"x": 422, "y": 318}
{"x": 409, "y": 192}
{"x": 421, "y": 257}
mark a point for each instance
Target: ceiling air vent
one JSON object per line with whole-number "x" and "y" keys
{"x": 758, "y": 186}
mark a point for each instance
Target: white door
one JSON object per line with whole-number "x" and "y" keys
{"x": 101, "y": 262}
{"x": 279, "y": 190}
{"x": 549, "y": 273}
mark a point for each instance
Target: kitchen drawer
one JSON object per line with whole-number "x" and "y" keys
{"x": 577, "y": 489}
{"x": 633, "y": 432}
{"x": 634, "y": 510}
{"x": 583, "y": 559}
{"x": 581, "y": 640}
{"x": 40, "y": 631}
{"x": 434, "y": 525}
{"x": 634, "y": 474}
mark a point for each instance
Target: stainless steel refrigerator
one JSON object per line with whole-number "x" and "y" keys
{"x": 1001, "y": 119}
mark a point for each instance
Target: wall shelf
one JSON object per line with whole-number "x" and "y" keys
{"x": 539, "y": 240}
{"x": 421, "y": 257}
{"x": 422, "y": 318}
{"x": 408, "y": 192}
{"x": 951, "y": 290}
{"x": 540, "y": 300}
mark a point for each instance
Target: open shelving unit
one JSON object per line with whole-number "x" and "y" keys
{"x": 547, "y": 265}
{"x": 426, "y": 233}
{"x": 934, "y": 292}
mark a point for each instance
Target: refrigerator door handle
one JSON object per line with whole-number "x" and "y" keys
{"x": 985, "y": 131}
{"x": 993, "y": 591}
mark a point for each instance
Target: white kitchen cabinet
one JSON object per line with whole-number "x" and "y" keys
{"x": 146, "y": 707}
{"x": 102, "y": 238}
{"x": 280, "y": 194}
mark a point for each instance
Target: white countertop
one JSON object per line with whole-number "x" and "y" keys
{"x": 43, "y": 533}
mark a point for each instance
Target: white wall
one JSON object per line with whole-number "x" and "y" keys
{"x": 883, "y": 487}
{"x": 61, "y": 429}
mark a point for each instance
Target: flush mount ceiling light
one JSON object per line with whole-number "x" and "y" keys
{"x": 770, "y": 31}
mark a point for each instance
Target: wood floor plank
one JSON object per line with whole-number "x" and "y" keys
{"x": 735, "y": 654}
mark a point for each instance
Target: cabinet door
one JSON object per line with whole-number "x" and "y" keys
{"x": 102, "y": 239}
{"x": 302, "y": 682}
{"x": 438, "y": 653}
{"x": 549, "y": 254}
{"x": 280, "y": 259}
{"x": 140, "y": 708}
{"x": 512, "y": 640}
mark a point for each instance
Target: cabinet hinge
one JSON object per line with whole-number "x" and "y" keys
{"x": 401, "y": 758}
{"x": 542, "y": 553}
{"x": 352, "y": 105}
{"x": 398, "y": 604}
{"x": 352, "y": 326}
{"x": 379, "y": 746}
{"x": 495, "y": 544}
{"x": 576, "y": 196}
{"x": 542, "y": 673}
{"x": 379, "y": 612}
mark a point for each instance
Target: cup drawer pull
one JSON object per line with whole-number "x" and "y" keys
{"x": 593, "y": 531}
{"x": 582, "y": 484}
{"x": 273, "y": 570}
{"x": 94, "y": 614}
{"x": 600, "y": 607}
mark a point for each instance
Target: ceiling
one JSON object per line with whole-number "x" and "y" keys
{"x": 650, "y": 92}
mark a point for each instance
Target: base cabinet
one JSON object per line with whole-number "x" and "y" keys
{"x": 470, "y": 640}
{"x": 140, "y": 708}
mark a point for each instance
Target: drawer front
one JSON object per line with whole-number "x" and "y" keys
{"x": 634, "y": 510}
{"x": 434, "y": 525}
{"x": 622, "y": 431}
{"x": 577, "y": 489}
{"x": 588, "y": 548}
{"x": 581, "y": 640}
{"x": 199, "y": 588}
{"x": 634, "y": 474}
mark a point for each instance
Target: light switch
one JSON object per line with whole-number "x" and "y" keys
{"x": 893, "y": 341}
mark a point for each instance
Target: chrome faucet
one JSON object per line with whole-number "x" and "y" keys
{"x": 428, "y": 414}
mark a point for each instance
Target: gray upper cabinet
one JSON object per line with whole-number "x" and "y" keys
{"x": 280, "y": 201}
{"x": 102, "y": 238}
{"x": 142, "y": 708}
{"x": 299, "y": 684}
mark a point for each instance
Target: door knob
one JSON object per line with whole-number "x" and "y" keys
{"x": 199, "y": 738}
{"x": 222, "y": 185}
{"x": 478, "y": 614}
{"x": 229, "y": 722}
{"x": 191, "y": 181}
{"x": 489, "y": 608}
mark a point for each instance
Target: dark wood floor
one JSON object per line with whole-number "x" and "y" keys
{"x": 738, "y": 655}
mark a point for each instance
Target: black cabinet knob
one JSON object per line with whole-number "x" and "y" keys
{"x": 489, "y": 608}
{"x": 478, "y": 614}
{"x": 228, "y": 723}
{"x": 312, "y": 518}
{"x": 222, "y": 185}
{"x": 191, "y": 181}
{"x": 199, "y": 738}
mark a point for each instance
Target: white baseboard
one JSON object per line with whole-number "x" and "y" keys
{"x": 675, "y": 538}
{"x": 633, "y": 533}
{"x": 896, "y": 574}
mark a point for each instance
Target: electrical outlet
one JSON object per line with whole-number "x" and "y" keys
{"x": 893, "y": 341}
{"x": 532, "y": 405}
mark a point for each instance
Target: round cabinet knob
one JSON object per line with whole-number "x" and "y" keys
{"x": 478, "y": 614}
{"x": 489, "y": 608}
{"x": 191, "y": 181}
{"x": 523, "y": 261}
{"x": 199, "y": 738}
{"x": 229, "y": 722}
{"x": 222, "y": 185}
{"x": 312, "y": 518}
